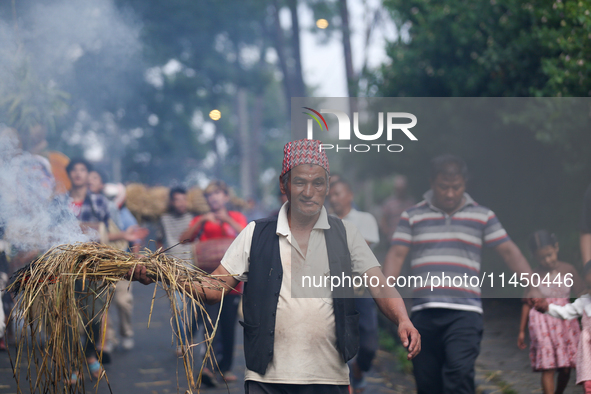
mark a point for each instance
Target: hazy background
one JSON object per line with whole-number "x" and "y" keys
{"x": 129, "y": 84}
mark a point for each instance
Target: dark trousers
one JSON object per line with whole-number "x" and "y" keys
{"x": 252, "y": 387}
{"x": 450, "y": 345}
{"x": 368, "y": 332}
{"x": 90, "y": 306}
{"x": 226, "y": 332}
{"x": 190, "y": 321}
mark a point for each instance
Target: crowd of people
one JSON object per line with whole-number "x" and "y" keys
{"x": 326, "y": 345}
{"x": 101, "y": 210}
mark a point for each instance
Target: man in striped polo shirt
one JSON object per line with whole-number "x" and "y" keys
{"x": 444, "y": 235}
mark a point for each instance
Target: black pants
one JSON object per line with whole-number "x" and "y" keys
{"x": 450, "y": 346}
{"x": 89, "y": 307}
{"x": 252, "y": 387}
{"x": 227, "y": 330}
{"x": 368, "y": 332}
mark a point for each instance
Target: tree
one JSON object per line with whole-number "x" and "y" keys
{"x": 495, "y": 48}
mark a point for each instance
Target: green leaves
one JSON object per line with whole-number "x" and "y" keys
{"x": 27, "y": 102}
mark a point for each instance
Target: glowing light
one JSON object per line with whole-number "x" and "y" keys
{"x": 322, "y": 23}
{"x": 215, "y": 114}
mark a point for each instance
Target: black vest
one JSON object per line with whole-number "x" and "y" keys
{"x": 261, "y": 293}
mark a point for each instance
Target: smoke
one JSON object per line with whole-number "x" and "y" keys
{"x": 88, "y": 49}
{"x": 32, "y": 218}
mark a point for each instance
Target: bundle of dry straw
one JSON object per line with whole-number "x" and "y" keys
{"x": 71, "y": 286}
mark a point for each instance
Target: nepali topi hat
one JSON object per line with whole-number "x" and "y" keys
{"x": 300, "y": 152}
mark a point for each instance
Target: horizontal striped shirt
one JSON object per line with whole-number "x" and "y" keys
{"x": 446, "y": 245}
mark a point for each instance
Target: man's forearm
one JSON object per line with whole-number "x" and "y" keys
{"x": 209, "y": 295}
{"x": 116, "y": 236}
{"x": 513, "y": 258}
{"x": 213, "y": 294}
{"x": 189, "y": 234}
{"x": 393, "y": 308}
{"x": 394, "y": 261}
{"x": 585, "y": 242}
{"x": 517, "y": 263}
{"x": 387, "y": 298}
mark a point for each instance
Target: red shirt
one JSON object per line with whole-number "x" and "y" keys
{"x": 212, "y": 230}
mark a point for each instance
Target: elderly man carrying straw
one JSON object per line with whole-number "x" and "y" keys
{"x": 292, "y": 344}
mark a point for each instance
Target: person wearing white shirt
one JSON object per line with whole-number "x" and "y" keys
{"x": 341, "y": 201}
{"x": 581, "y": 307}
{"x": 296, "y": 345}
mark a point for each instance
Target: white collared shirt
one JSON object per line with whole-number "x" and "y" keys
{"x": 305, "y": 341}
{"x": 366, "y": 224}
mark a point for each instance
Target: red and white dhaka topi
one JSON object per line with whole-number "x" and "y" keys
{"x": 300, "y": 152}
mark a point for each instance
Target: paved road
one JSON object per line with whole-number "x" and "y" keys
{"x": 151, "y": 367}
{"x": 501, "y": 363}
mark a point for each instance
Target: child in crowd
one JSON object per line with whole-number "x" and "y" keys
{"x": 580, "y": 308}
{"x": 553, "y": 342}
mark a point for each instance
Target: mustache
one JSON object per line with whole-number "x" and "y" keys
{"x": 308, "y": 200}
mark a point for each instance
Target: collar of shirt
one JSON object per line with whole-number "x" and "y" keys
{"x": 428, "y": 196}
{"x": 351, "y": 213}
{"x": 283, "y": 223}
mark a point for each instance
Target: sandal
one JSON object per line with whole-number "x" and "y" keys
{"x": 95, "y": 369}
{"x": 74, "y": 379}
{"x": 229, "y": 377}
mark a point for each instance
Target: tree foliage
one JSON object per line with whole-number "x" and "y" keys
{"x": 532, "y": 175}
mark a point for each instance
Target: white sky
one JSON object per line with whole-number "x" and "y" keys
{"x": 324, "y": 64}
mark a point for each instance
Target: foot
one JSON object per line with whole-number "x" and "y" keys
{"x": 127, "y": 343}
{"x": 95, "y": 368}
{"x": 74, "y": 379}
{"x": 229, "y": 377}
{"x": 207, "y": 378}
{"x": 358, "y": 385}
{"x": 180, "y": 351}
{"x": 109, "y": 347}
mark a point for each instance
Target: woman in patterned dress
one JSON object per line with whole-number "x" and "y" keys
{"x": 553, "y": 342}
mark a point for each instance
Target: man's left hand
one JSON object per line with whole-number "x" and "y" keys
{"x": 139, "y": 273}
{"x": 410, "y": 337}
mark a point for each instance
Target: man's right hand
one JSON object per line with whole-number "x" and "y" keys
{"x": 139, "y": 274}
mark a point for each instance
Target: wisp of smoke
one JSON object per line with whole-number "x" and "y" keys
{"x": 32, "y": 217}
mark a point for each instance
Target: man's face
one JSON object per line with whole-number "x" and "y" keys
{"x": 179, "y": 202}
{"x": 306, "y": 189}
{"x": 448, "y": 192}
{"x": 217, "y": 199}
{"x": 79, "y": 175}
{"x": 95, "y": 182}
{"x": 340, "y": 198}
